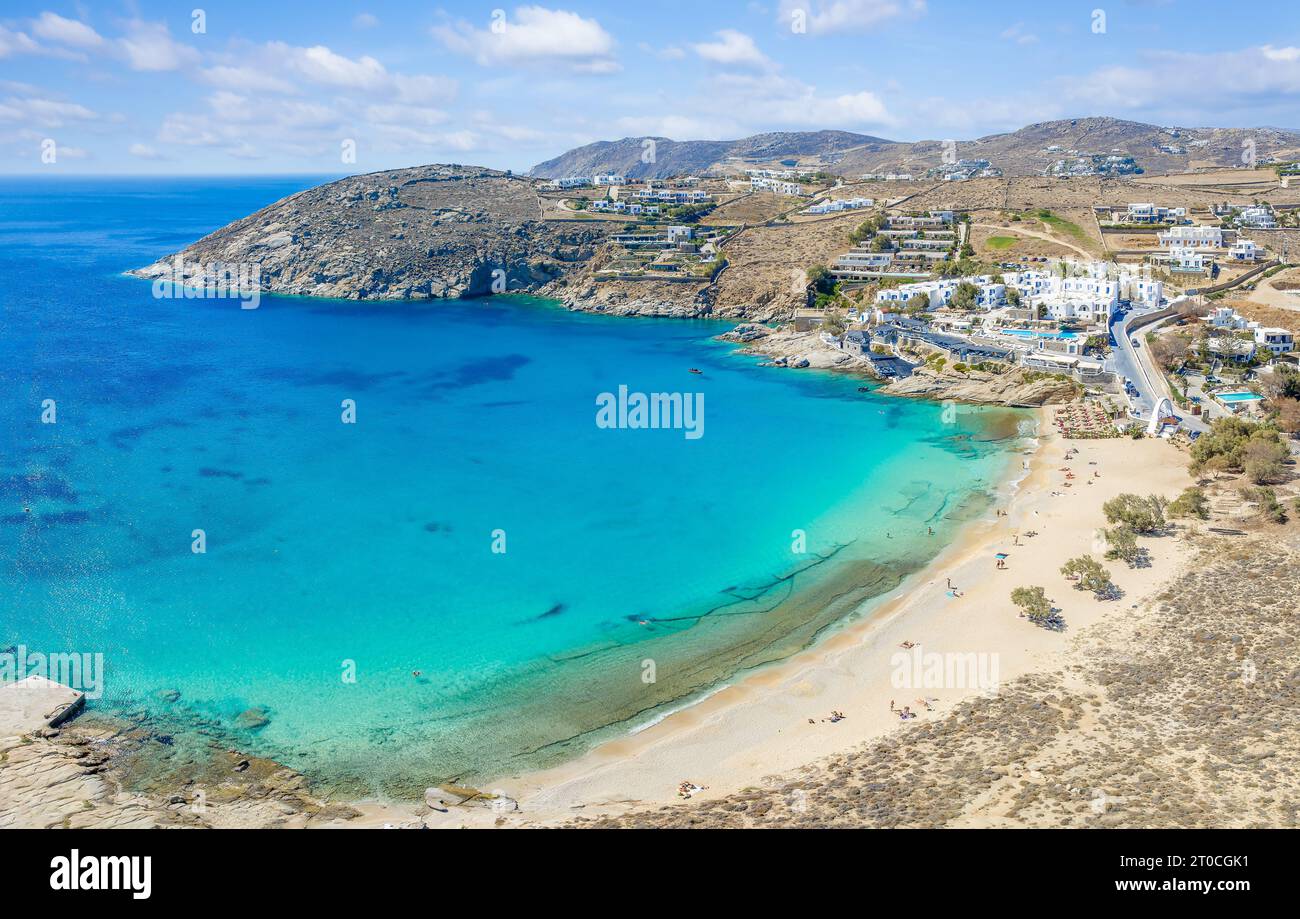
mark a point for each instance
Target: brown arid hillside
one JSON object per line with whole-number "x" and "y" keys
{"x": 764, "y": 279}
{"x": 1026, "y": 152}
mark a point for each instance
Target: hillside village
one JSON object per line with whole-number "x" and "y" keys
{"x": 1113, "y": 298}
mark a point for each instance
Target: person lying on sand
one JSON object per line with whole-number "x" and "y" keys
{"x": 908, "y": 645}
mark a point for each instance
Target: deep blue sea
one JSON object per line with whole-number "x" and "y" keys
{"x": 639, "y": 566}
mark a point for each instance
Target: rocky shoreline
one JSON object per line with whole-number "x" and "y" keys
{"x": 107, "y": 773}
{"x": 808, "y": 350}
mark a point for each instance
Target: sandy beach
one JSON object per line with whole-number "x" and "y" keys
{"x": 777, "y": 720}
{"x": 1171, "y": 705}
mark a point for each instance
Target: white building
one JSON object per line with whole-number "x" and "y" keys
{"x": 861, "y": 264}
{"x": 612, "y": 178}
{"x": 1186, "y": 259}
{"x": 1279, "y": 341}
{"x": 934, "y": 220}
{"x": 1151, "y": 213}
{"x": 847, "y": 204}
{"x": 940, "y": 292}
{"x": 1245, "y": 250}
{"x": 623, "y": 207}
{"x": 1225, "y": 317}
{"x": 1260, "y": 218}
{"x": 672, "y": 195}
{"x": 1192, "y": 238}
{"x": 776, "y": 186}
{"x": 572, "y": 182}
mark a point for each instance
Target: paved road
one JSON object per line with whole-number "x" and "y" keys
{"x": 1124, "y": 361}
{"x": 1135, "y": 363}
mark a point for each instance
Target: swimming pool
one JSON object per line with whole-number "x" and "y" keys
{"x": 1025, "y": 333}
{"x": 1232, "y": 397}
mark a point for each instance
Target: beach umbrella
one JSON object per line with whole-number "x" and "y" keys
{"x": 1001, "y": 555}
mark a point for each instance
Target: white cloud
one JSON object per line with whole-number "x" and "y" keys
{"x": 42, "y": 111}
{"x": 149, "y": 46}
{"x": 54, "y": 27}
{"x": 250, "y": 127}
{"x": 668, "y": 52}
{"x": 405, "y": 114}
{"x": 1018, "y": 35}
{"x": 536, "y": 36}
{"x": 1262, "y": 75}
{"x": 679, "y": 127}
{"x": 365, "y": 21}
{"x": 16, "y": 43}
{"x": 144, "y": 152}
{"x": 822, "y": 17}
{"x": 732, "y": 48}
{"x": 246, "y": 79}
{"x": 1280, "y": 54}
{"x": 424, "y": 88}
{"x": 286, "y": 69}
{"x": 321, "y": 65}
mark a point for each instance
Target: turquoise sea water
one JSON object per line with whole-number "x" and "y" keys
{"x": 640, "y": 566}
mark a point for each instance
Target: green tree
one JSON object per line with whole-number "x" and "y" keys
{"x": 917, "y": 303}
{"x": 1091, "y": 574}
{"x": 1264, "y": 461}
{"x": 1223, "y": 447}
{"x": 965, "y": 296}
{"x": 820, "y": 279}
{"x": 1121, "y": 543}
{"x": 1033, "y": 603}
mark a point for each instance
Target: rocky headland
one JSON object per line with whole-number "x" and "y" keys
{"x": 406, "y": 234}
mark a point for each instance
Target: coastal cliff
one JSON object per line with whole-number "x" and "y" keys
{"x": 406, "y": 234}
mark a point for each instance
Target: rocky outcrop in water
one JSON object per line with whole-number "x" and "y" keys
{"x": 1016, "y": 387}
{"x": 108, "y": 774}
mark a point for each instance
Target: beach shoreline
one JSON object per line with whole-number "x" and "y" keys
{"x": 775, "y": 720}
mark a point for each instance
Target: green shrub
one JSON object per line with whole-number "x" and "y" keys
{"x": 1191, "y": 503}
{"x": 1139, "y": 514}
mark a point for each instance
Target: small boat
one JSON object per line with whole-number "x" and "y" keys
{"x": 696, "y": 370}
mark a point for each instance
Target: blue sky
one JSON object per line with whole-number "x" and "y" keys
{"x": 276, "y": 87}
